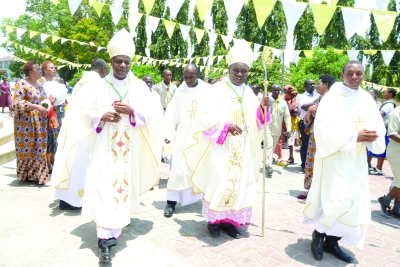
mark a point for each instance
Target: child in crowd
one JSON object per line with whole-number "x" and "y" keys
{"x": 294, "y": 138}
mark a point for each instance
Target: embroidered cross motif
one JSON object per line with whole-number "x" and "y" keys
{"x": 359, "y": 126}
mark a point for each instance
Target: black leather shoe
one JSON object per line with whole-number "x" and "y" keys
{"x": 65, "y": 206}
{"x": 230, "y": 230}
{"x": 317, "y": 244}
{"x": 213, "y": 229}
{"x": 105, "y": 254}
{"x": 169, "y": 210}
{"x": 331, "y": 246}
{"x": 385, "y": 205}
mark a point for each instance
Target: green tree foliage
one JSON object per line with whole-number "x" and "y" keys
{"x": 322, "y": 62}
{"x": 305, "y": 33}
{"x": 275, "y": 28}
{"x": 247, "y": 26}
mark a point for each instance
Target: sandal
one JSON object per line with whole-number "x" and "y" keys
{"x": 282, "y": 163}
{"x": 290, "y": 161}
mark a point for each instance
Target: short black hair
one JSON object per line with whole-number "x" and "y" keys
{"x": 352, "y": 62}
{"x": 306, "y": 81}
{"x": 329, "y": 79}
{"x": 164, "y": 71}
{"x": 193, "y": 66}
{"x": 392, "y": 91}
{"x": 373, "y": 90}
{"x": 98, "y": 63}
{"x": 257, "y": 86}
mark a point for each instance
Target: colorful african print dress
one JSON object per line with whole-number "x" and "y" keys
{"x": 30, "y": 133}
{"x": 312, "y": 148}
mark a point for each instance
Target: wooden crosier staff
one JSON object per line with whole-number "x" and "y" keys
{"x": 265, "y": 84}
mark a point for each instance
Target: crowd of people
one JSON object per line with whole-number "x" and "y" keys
{"x": 109, "y": 145}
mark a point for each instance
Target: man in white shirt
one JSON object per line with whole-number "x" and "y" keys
{"x": 257, "y": 91}
{"x": 302, "y": 102}
{"x": 165, "y": 88}
{"x": 279, "y": 113}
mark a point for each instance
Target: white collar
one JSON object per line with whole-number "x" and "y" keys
{"x": 236, "y": 87}
{"x": 349, "y": 90}
{"x": 119, "y": 82}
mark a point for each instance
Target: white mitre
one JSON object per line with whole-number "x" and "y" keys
{"x": 121, "y": 44}
{"x": 240, "y": 53}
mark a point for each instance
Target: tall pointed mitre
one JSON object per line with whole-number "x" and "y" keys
{"x": 121, "y": 44}
{"x": 240, "y": 53}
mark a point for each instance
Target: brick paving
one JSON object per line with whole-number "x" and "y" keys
{"x": 34, "y": 232}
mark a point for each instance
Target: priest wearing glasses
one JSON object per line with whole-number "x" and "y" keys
{"x": 124, "y": 145}
{"x": 223, "y": 151}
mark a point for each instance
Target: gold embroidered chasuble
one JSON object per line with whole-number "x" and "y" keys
{"x": 123, "y": 160}
{"x": 226, "y": 174}
{"x": 177, "y": 123}
{"x": 340, "y": 181}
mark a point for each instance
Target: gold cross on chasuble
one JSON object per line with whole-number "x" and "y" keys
{"x": 359, "y": 126}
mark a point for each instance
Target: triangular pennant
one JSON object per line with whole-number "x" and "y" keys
{"x": 308, "y": 53}
{"x": 134, "y": 19}
{"x": 73, "y": 5}
{"x": 276, "y": 52}
{"x": 170, "y": 27}
{"x": 293, "y": 12}
{"x": 201, "y": 68}
{"x": 263, "y": 9}
{"x": 370, "y": 52}
{"x": 233, "y": 8}
{"x": 98, "y": 7}
{"x": 334, "y": 2}
{"x": 199, "y": 34}
{"x": 384, "y": 22}
{"x": 185, "y": 31}
{"x": 191, "y": 60}
{"x": 257, "y": 47}
{"x": 148, "y": 5}
{"x": 256, "y": 55}
{"x": 152, "y": 23}
{"x": 55, "y": 38}
{"x": 338, "y": 51}
{"x": 116, "y": 13}
{"x": 226, "y": 40}
{"x": 203, "y": 6}
{"x": 197, "y": 61}
{"x": 213, "y": 38}
{"x": 205, "y": 60}
{"x": 43, "y": 37}
{"x": 219, "y": 59}
{"x": 20, "y": 32}
{"x": 9, "y": 28}
{"x": 174, "y": 7}
{"x": 387, "y": 56}
{"x": 296, "y": 54}
{"x": 9, "y": 43}
{"x": 322, "y": 16}
{"x": 63, "y": 40}
{"x": 32, "y": 34}
{"x": 225, "y": 71}
{"x": 26, "y": 49}
{"x": 178, "y": 64}
{"x": 352, "y": 18}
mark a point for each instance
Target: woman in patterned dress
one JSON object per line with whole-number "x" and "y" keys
{"x": 5, "y": 94}
{"x": 49, "y": 76}
{"x": 30, "y": 126}
{"x": 324, "y": 84}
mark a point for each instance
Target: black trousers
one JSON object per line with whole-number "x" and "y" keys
{"x": 304, "y": 144}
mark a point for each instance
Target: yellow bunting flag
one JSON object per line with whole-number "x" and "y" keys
{"x": 199, "y": 34}
{"x": 338, "y": 51}
{"x": 55, "y": 38}
{"x": 334, "y": 2}
{"x": 263, "y": 9}
{"x": 246, "y": 2}
{"x": 9, "y": 28}
{"x": 384, "y": 22}
{"x": 170, "y": 27}
{"x": 134, "y": 20}
{"x": 148, "y": 5}
{"x": 197, "y": 61}
{"x": 370, "y": 52}
{"x": 98, "y": 7}
{"x": 55, "y": 2}
{"x": 202, "y": 7}
{"x": 308, "y": 53}
{"x": 322, "y": 16}
{"x": 32, "y": 34}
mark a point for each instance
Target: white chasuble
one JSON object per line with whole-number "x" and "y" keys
{"x": 178, "y": 120}
{"x": 226, "y": 173}
{"x": 339, "y": 193}
{"x": 123, "y": 160}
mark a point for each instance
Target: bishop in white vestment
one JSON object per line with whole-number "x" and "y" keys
{"x": 177, "y": 123}
{"x": 339, "y": 204}
{"x": 69, "y": 171}
{"x": 223, "y": 151}
{"x": 124, "y": 145}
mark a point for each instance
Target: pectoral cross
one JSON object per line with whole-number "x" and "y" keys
{"x": 359, "y": 126}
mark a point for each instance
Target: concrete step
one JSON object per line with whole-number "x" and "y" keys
{"x": 7, "y": 146}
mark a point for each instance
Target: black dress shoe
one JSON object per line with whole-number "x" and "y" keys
{"x": 105, "y": 254}
{"x": 331, "y": 246}
{"x": 169, "y": 210}
{"x": 65, "y": 206}
{"x": 385, "y": 205}
{"x": 230, "y": 230}
{"x": 317, "y": 244}
{"x": 213, "y": 229}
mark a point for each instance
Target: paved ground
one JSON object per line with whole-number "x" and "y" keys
{"x": 34, "y": 232}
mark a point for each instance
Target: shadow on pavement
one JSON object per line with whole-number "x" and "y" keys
{"x": 26, "y": 183}
{"x": 163, "y": 183}
{"x": 379, "y": 217}
{"x": 88, "y": 234}
{"x": 55, "y": 210}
